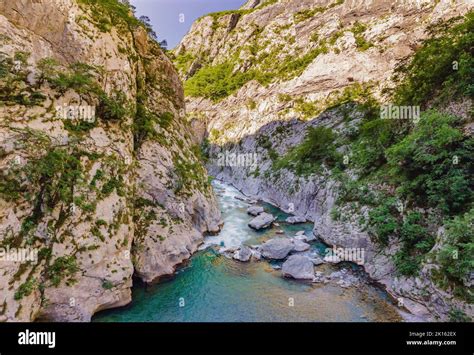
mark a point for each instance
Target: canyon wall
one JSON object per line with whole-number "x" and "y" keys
{"x": 119, "y": 193}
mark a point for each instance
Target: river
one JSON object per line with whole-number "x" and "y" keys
{"x": 213, "y": 288}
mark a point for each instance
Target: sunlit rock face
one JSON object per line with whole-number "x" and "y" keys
{"x": 100, "y": 194}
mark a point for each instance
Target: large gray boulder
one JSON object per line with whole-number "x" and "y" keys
{"x": 277, "y": 248}
{"x": 263, "y": 220}
{"x": 255, "y": 210}
{"x": 299, "y": 245}
{"x": 298, "y": 267}
{"x": 243, "y": 253}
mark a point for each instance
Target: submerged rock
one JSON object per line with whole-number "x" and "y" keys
{"x": 298, "y": 267}
{"x": 277, "y": 248}
{"x": 263, "y": 220}
{"x": 243, "y": 253}
{"x": 295, "y": 219}
{"x": 255, "y": 210}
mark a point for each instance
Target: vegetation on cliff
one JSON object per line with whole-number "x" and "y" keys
{"x": 427, "y": 164}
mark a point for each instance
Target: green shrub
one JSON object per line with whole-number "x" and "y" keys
{"x": 112, "y": 108}
{"x": 57, "y": 173}
{"x": 216, "y": 82}
{"x": 317, "y": 148}
{"x": 25, "y": 289}
{"x": 114, "y": 183}
{"x": 80, "y": 126}
{"x": 407, "y": 264}
{"x": 62, "y": 268}
{"x": 304, "y": 15}
{"x": 383, "y": 221}
{"x": 291, "y": 67}
{"x": 15, "y": 88}
{"x": 47, "y": 68}
{"x": 432, "y": 68}
{"x": 424, "y": 164}
{"x": 106, "y": 284}
{"x": 358, "y": 30}
{"x": 375, "y": 136}
{"x": 183, "y": 62}
{"x": 189, "y": 175}
{"x": 165, "y": 119}
{"x": 456, "y": 257}
{"x": 144, "y": 124}
{"x": 456, "y": 315}
{"x": 416, "y": 242}
{"x": 80, "y": 78}
{"x": 108, "y": 13}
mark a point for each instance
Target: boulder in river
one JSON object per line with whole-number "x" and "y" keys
{"x": 255, "y": 210}
{"x": 263, "y": 220}
{"x": 301, "y": 236}
{"x": 256, "y": 255}
{"x": 295, "y": 219}
{"x": 299, "y": 245}
{"x": 317, "y": 260}
{"x": 298, "y": 267}
{"x": 243, "y": 253}
{"x": 277, "y": 248}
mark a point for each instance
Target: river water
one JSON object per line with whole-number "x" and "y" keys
{"x": 213, "y": 288}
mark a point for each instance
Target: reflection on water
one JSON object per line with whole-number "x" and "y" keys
{"x": 211, "y": 288}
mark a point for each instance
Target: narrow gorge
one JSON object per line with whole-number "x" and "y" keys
{"x": 217, "y": 181}
{"x": 301, "y": 86}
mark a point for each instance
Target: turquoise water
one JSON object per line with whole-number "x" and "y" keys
{"x": 212, "y": 288}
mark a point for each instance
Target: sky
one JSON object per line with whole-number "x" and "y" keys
{"x": 166, "y": 15}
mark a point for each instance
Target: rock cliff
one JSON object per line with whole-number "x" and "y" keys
{"x": 100, "y": 171}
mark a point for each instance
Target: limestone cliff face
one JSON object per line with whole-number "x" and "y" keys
{"x": 303, "y": 56}
{"x": 99, "y": 199}
{"x": 333, "y": 45}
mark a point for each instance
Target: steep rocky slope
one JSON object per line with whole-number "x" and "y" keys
{"x": 99, "y": 198}
{"x": 305, "y": 53}
{"x": 260, "y": 78}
